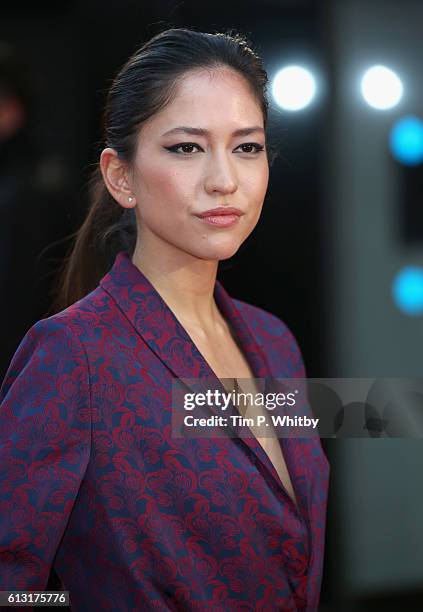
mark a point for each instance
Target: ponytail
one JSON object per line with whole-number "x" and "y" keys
{"x": 107, "y": 229}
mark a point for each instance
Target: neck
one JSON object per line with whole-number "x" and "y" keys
{"x": 185, "y": 282}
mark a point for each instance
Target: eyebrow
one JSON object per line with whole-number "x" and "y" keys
{"x": 203, "y": 132}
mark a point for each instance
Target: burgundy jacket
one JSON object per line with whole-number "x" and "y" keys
{"x": 131, "y": 518}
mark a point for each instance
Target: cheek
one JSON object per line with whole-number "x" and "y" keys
{"x": 255, "y": 187}
{"x": 160, "y": 183}
{"x": 263, "y": 180}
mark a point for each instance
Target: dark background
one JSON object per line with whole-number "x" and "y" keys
{"x": 340, "y": 218}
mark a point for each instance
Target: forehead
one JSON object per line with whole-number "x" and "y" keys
{"x": 219, "y": 100}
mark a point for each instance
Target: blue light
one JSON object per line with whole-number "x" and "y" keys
{"x": 407, "y": 290}
{"x": 406, "y": 140}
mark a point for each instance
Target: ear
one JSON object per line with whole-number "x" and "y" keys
{"x": 116, "y": 177}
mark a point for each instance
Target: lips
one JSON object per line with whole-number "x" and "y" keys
{"x": 220, "y": 211}
{"x": 222, "y": 219}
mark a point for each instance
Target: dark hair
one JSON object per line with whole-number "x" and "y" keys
{"x": 143, "y": 86}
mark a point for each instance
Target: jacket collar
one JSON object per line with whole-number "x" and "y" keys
{"x": 156, "y": 323}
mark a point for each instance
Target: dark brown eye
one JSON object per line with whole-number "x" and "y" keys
{"x": 256, "y": 146}
{"x": 182, "y": 145}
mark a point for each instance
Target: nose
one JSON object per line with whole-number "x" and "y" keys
{"x": 220, "y": 175}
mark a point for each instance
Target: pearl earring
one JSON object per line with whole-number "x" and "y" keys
{"x": 130, "y": 199}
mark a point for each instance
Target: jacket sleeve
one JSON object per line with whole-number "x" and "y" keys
{"x": 45, "y": 441}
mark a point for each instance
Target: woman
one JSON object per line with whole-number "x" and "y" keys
{"x": 94, "y": 485}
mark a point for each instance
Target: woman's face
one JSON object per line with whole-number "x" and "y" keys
{"x": 180, "y": 174}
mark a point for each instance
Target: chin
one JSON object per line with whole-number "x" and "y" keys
{"x": 228, "y": 255}
{"x": 219, "y": 253}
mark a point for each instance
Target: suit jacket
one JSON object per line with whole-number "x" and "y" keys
{"x": 93, "y": 484}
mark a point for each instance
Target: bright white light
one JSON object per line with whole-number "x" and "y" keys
{"x": 293, "y": 88}
{"x": 381, "y": 87}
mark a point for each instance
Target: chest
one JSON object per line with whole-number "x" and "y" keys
{"x": 229, "y": 363}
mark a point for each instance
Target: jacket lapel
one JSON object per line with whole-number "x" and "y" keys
{"x": 161, "y": 330}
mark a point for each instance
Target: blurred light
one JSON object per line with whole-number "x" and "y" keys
{"x": 293, "y": 88}
{"x": 407, "y": 290}
{"x": 381, "y": 87}
{"x": 406, "y": 140}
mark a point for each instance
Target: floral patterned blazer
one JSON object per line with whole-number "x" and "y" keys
{"x": 132, "y": 518}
